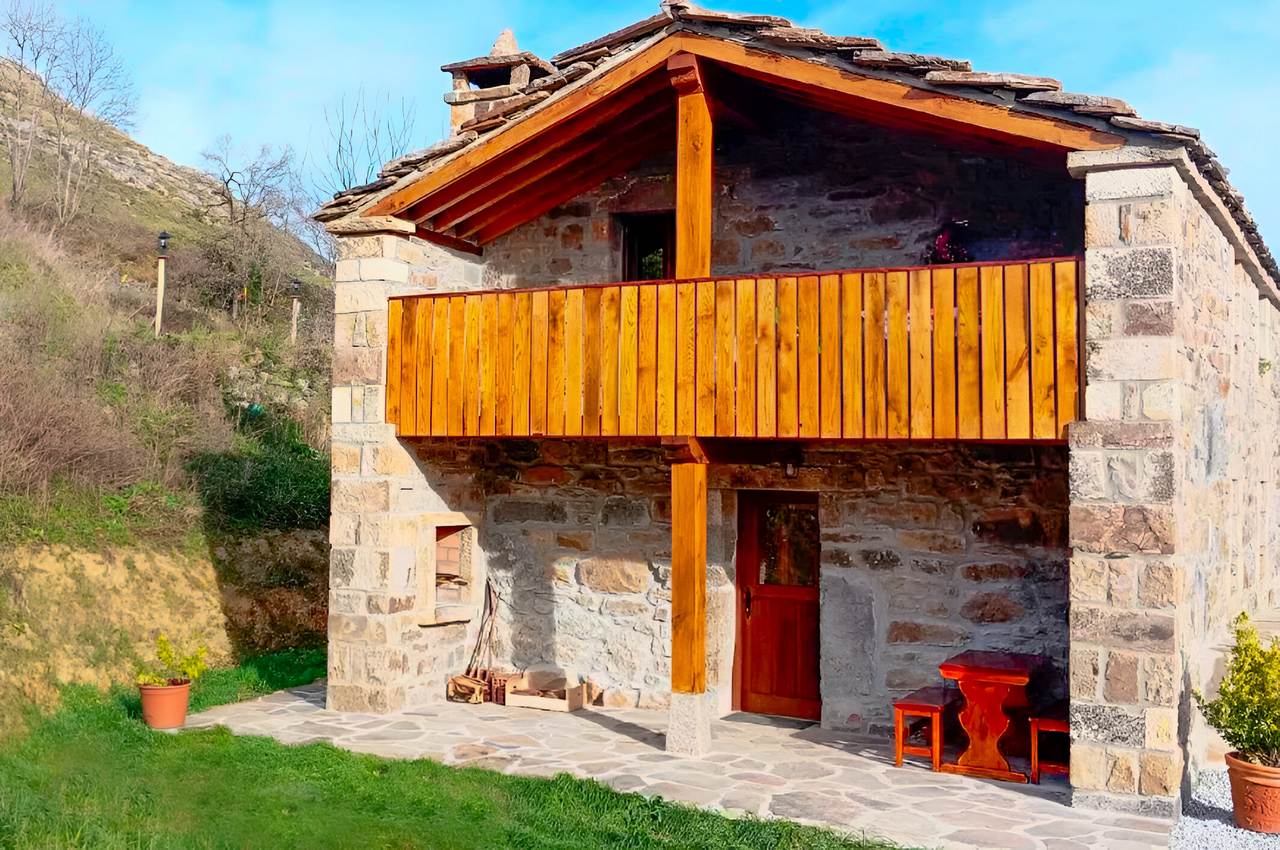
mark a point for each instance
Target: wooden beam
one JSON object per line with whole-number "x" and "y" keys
{"x": 448, "y": 241}
{"x": 694, "y": 148}
{"x": 689, "y": 578}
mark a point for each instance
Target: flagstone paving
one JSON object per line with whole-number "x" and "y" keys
{"x": 761, "y": 766}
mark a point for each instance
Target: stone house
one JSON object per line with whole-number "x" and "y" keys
{"x": 953, "y": 359}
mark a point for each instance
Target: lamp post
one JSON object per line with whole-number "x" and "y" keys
{"x": 162, "y": 242}
{"x": 297, "y": 308}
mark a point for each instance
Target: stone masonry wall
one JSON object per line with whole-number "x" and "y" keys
{"x": 810, "y": 191}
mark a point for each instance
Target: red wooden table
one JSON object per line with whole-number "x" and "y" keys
{"x": 991, "y": 683}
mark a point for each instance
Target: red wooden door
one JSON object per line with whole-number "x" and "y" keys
{"x": 778, "y": 552}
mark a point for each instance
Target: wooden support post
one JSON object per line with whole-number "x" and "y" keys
{"x": 293, "y": 321}
{"x": 694, "y": 142}
{"x": 159, "y": 293}
{"x": 689, "y": 578}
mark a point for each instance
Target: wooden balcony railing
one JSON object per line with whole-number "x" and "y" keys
{"x": 984, "y": 351}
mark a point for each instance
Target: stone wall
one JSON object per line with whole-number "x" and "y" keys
{"x": 810, "y": 191}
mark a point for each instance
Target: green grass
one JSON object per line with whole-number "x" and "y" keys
{"x": 86, "y": 517}
{"x": 92, "y": 776}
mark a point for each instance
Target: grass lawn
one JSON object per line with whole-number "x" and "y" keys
{"x": 91, "y": 775}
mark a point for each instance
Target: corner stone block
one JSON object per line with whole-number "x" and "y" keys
{"x": 1132, "y": 183}
{"x": 689, "y": 724}
{"x": 1138, "y": 358}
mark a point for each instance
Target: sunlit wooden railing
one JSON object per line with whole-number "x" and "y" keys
{"x": 983, "y": 351}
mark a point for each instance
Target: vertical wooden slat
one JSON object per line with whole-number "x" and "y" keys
{"x": 666, "y": 368}
{"x": 471, "y": 368}
{"x": 788, "y": 377}
{"x": 875, "y": 401}
{"x": 488, "y": 362}
{"x": 1066, "y": 318}
{"x": 766, "y": 350}
{"x": 920, "y": 305}
{"x": 504, "y": 373}
{"x": 705, "y": 334}
{"x": 573, "y": 373}
{"x": 628, "y": 351}
{"x": 592, "y": 353}
{"x": 686, "y": 359}
{"x": 968, "y": 355}
{"x": 944, "y": 353}
{"x": 422, "y": 397}
{"x": 1044, "y": 417}
{"x": 440, "y": 367}
{"x": 538, "y": 362}
{"x": 851, "y": 355}
{"x": 610, "y": 300}
{"x": 522, "y": 354}
{"x": 395, "y": 316}
{"x": 1017, "y": 373}
{"x": 409, "y": 366}
{"x": 829, "y": 391}
{"x": 745, "y": 360}
{"x": 807, "y": 359}
{"x": 555, "y": 362}
{"x": 897, "y": 379}
{"x": 726, "y": 321}
{"x": 457, "y": 362}
{"x": 647, "y": 362}
{"x": 992, "y": 294}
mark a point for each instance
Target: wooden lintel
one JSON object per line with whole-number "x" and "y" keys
{"x": 447, "y": 241}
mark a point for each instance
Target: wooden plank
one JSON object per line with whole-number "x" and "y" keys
{"x": 471, "y": 368}
{"x": 968, "y": 355}
{"x": 457, "y": 362}
{"x": 705, "y": 380}
{"x": 628, "y": 351}
{"x": 440, "y": 370}
{"x": 1066, "y": 321}
{"x": 538, "y": 338}
{"x": 1017, "y": 355}
{"x": 991, "y": 291}
{"x": 851, "y": 355}
{"x": 1044, "y": 416}
{"x": 944, "y": 354}
{"x": 920, "y": 339}
{"x": 395, "y": 318}
{"x": 897, "y": 359}
{"x": 694, "y": 154}
{"x": 726, "y": 320}
{"x": 409, "y": 367}
{"x": 686, "y": 359}
{"x": 522, "y": 354}
{"x": 488, "y": 362}
{"x": 766, "y": 349}
{"x": 647, "y": 362}
{"x": 555, "y": 361}
{"x": 807, "y": 358}
{"x": 422, "y": 396}
{"x": 666, "y": 367}
{"x": 592, "y": 355}
{"x": 745, "y": 360}
{"x": 688, "y": 577}
{"x": 875, "y": 399}
{"x": 504, "y": 376}
{"x": 829, "y": 390}
{"x": 573, "y": 372}
{"x": 788, "y": 375}
{"x": 610, "y": 306}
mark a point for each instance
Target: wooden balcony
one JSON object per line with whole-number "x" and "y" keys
{"x": 986, "y": 351}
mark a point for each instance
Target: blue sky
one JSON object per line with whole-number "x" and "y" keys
{"x": 263, "y": 70}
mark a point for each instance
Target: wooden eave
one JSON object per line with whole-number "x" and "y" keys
{"x": 608, "y": 124}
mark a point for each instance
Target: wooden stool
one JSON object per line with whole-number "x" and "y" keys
{"x": 1051, "y": 719}
{"x": 927, "y": 705}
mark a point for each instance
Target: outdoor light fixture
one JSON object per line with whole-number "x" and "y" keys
{"x": 297, "y": 285}
{"x": 163, "y": 240}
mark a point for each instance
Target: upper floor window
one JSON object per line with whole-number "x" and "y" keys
{"x": 648, "y": 245}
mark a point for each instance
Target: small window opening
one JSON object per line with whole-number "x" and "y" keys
{"x": 452, "y": 579}
{"x": 648, "y": 245}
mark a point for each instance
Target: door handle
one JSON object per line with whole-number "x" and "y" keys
{"x": 746, "y": 605}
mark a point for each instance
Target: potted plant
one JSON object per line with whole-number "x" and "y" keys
{"x": 1246, "y": 714}
{"x": 166, "y": 687}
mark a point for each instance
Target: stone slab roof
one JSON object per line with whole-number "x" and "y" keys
{"x": 860, "y": 54}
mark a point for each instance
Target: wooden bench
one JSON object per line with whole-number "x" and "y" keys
{"x": 1050, "y": 719}
{"x": 927, "y": 705}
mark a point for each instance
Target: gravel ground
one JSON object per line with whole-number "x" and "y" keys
{"x": 1206, "y": 822}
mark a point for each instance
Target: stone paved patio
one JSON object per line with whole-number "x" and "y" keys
{"x": 760, "y": 766}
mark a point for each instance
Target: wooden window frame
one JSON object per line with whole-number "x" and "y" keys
{"x": 432, "y": 612}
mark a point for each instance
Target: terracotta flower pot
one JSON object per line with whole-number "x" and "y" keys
{"x": 1255, "y": 794}
{"x": 165, "y": 706}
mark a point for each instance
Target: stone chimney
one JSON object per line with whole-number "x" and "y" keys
{"x": 485, "y": 83}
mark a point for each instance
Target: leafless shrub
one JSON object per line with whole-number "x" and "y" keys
{"x": 32, "y": 34}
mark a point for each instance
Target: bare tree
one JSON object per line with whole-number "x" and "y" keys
{"x": 363, "y": 132}
{"x": 33, "y": 37}
{"x": 251, "y": 189}
{"x": 89, "y": 93}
